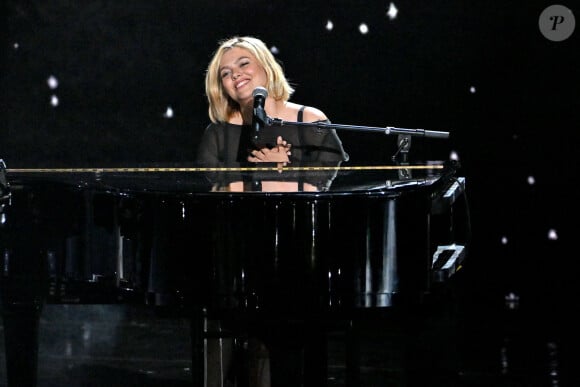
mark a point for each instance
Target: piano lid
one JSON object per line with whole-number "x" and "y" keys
{"x": 262, "y": 177}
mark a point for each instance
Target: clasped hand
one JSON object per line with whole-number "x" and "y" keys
{"x": 278, "y": 154}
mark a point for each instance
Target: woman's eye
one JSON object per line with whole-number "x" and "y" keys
{"x": 225, "y": 74}
{"x": 242, "y": 64}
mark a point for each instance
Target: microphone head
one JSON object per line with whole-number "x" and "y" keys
{"x": 260, "y": 91}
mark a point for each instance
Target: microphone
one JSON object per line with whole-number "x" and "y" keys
{"x": 259, "y": 116}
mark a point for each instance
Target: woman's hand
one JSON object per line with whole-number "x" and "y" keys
{"x": 278, "y": 154}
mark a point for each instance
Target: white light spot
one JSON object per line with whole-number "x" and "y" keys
{"x": 274, "y": 50}
{"x": 504, "y": 240}
{"x": 552, "y": 235}
{"x": 16, "y": 45}
{"x": 472, "y": 90}
{"x": 168, "y": 112}
{"x": 511, "y": 296}
{"x": 453, "y": 155}
{"x": 392, "y": 12}
{"x": 512, "y": 300}
{"x": 531, "y": 180}
{"x": 52, "y": 82}
{"x": 54, "y": 100}
{"x": 363, "y": 28}
{"x": 329, "y": 25}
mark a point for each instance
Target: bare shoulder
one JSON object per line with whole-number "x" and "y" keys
{"x": 311, "y": 114}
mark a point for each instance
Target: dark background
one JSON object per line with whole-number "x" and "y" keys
{"x": 121, "y": 64}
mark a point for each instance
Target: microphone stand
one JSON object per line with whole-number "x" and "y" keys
{"x": 403, "y": 139}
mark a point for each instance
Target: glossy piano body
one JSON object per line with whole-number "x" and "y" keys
{"x": 290, "y": 242}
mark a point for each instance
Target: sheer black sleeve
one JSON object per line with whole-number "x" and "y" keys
{"x": 209, "y": 150}
{"x": 320, "y": 145}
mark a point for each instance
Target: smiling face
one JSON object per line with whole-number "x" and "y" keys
{"x": 240, "y": 73}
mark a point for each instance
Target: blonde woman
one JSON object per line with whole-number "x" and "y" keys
{"x": 238, "y": 67}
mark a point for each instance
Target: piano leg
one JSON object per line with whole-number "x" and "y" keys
{"x": 22, "y": 297}
{"x": 352, "y": 342}
{"x": 266, "y": 355}
{"x": 297, "y": 353}
{"x": 21, "y": 323}
{"x": 218, "y": 355}
{"x": 315, "y": 360}
{"x": 198, "y": 321}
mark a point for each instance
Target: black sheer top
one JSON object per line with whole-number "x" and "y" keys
{"x": 225, "y": 143}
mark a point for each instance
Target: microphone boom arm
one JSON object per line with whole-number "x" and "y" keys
{"x": 387, "y": 130}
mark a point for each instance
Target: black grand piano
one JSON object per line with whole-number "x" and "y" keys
{"x": 242, "y": 245}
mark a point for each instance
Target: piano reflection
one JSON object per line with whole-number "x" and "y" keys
{"x": 239, "y": 244}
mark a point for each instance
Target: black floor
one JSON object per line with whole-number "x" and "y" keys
{"x": 465, "y": 341}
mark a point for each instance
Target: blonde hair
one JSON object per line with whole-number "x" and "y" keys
{"x": 221, "y": 106}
